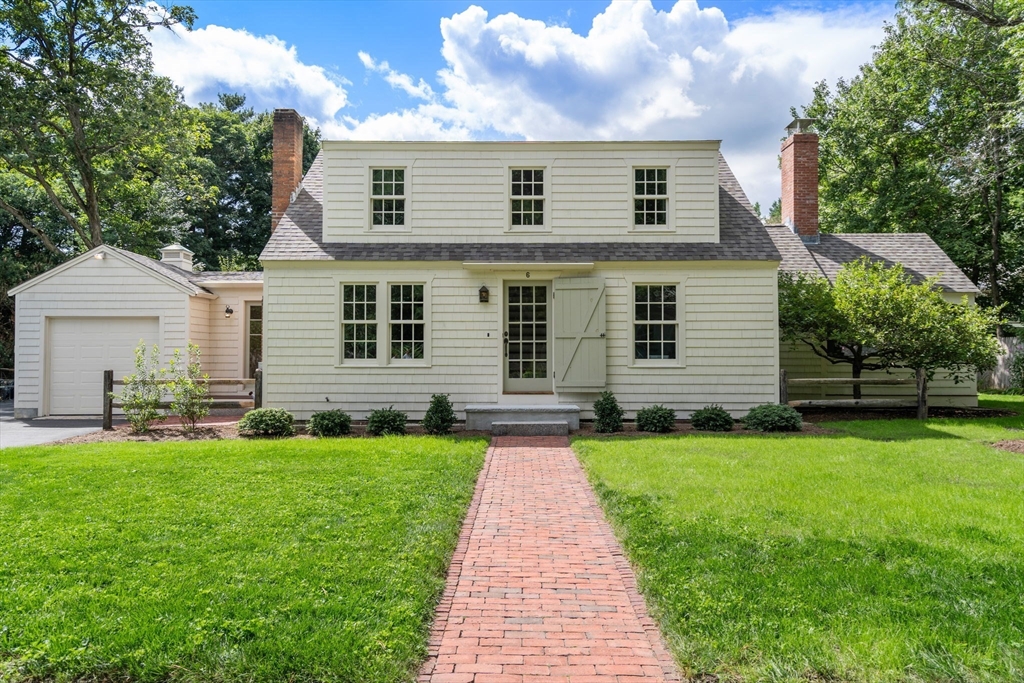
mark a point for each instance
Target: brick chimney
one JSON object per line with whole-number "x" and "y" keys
{"x": 800, "y": 180}
{"x": 287, "y": 172}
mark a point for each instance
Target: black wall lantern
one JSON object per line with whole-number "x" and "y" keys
{"x": 485, "y": 294}
{"x": 228, "y": 311}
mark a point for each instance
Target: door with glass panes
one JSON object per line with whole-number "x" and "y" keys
{"x": 527, "y": 338}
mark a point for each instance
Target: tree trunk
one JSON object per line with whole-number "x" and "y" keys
{"x": 858, "y": 368}
{"x": 922, "y": 395}
{"x": 996, "y": 219}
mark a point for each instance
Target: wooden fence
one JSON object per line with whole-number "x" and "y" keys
{"x": 256, "y": 383}
{"x": 921, "y": 403}
{"x": 999, "y": 376}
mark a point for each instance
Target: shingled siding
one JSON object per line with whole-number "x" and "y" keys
{"x": 729, "y": 333}
{"x": 460, "y": 192}
{"x": 800, "y": 361}
{"x": 84, "y": 291}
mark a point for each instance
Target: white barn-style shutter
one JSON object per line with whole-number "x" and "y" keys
{"x": 579, "y": 325}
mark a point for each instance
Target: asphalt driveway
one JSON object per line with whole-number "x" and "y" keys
{"x": 39, "y": 431}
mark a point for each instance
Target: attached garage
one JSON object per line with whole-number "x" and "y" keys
{"x": 80, "y": 349}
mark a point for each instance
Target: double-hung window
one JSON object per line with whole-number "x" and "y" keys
{"x": 407, "y": 322}
{"x": 650, "y": 197}
{"x": 359, "y": 322}
{"x": 387, "y": 197}
{"x": 655, "y": 322}
{"x": 527, "y": 196}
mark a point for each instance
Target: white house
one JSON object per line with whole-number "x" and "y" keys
{"x": 516, "y": 277}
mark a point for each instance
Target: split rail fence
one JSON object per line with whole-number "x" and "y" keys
{"x": 921, "y": 402}
{"x": 218, "y": 402}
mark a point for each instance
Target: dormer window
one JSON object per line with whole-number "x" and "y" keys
{"x": 527, "y": 197}
{"x": 650, "y": 196}
{"x": 387, "y": 196}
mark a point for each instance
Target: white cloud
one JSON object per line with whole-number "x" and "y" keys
{"x": 215, "y": 59}
{"x": 638, "y": 73}
{"x": 398, "y": 80}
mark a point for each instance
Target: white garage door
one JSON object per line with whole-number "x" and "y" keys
{"x": 82, "y": 348}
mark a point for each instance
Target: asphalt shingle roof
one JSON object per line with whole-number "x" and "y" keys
{"x": 190, "y": 280}
{"x": 920, "y": 256}
{"x": 299, "y": 236}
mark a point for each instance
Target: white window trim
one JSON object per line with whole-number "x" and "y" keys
{"x": 654, "y": 279}
{"x": 424, "y": 362}
{"x": 528, "y": 229}
{"x": 368, "y": 169}
{"x": 670, "y": 217}
{"x": 383, "y": 359}
{"x": 341, "y": 361}
{"x": 246, "y": 303}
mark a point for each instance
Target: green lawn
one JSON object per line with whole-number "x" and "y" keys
{"x": 891, "y": 551}
{"x": 225, "y": 561}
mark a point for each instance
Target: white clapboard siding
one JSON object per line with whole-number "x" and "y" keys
{"x": 459, "y": 192}
{"x": 799, "y": 361}
{"x": 224, "y": 351}
{"x": 730, "y": 357}
{"x": 93, "y": 287}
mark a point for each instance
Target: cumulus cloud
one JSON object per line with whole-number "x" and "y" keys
{"x": 216, "y": 59}
{"x": 638, "y": 73}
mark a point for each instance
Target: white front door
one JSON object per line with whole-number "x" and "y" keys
{"x": 527, "y": 338}
{"x": 80, "y": 349}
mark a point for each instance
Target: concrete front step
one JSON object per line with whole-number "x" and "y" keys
{"x": 480, "y": 417}
{"x": 530, "y": 428}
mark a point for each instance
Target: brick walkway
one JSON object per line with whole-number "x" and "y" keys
{"x": 538, "y": 588}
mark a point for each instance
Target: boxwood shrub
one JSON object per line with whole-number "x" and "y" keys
{"x": 607, "y": 413}
{"x": 440, "y": 416}
{"x": 330, "y": 423}
{"x": 773, "y": 417}
{"x": 386, "y": 421}
{"x": 655, "y": 419}
{"x": 712, "y": 418}
{"x": 267, "y": 422}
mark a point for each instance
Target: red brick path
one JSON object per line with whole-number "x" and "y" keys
{"x": 539, "y": 588}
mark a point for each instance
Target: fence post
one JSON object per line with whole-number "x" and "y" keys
{"x": 783, "y": 387}
{"x": 922, "y": 395}
{"x": 108, "y": 401}
{"x": 257, "y": 393}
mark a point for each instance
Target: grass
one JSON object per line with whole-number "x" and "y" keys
{"x": 890, "y": 551}
{"x": 226, "y": 561}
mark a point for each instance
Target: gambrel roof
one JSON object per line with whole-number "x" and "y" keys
{"x": 299, "y": 237}
{"x": 919, "y": 255}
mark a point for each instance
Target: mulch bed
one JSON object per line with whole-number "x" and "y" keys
{"x": 1015, "y": 446}
{"x": 846, "y": 414}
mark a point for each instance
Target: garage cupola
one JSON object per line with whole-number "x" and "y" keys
{"x": 177, "y": 256}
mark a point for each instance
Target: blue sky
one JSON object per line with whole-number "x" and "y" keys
{"x": 725, "y": 69}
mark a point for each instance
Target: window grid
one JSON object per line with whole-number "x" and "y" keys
{"x": 407, "y": 325}
{"x": 255, "y": 337}
{"x": 654, "y": 322}
{"x": 359, "y": 313}
{"x": 387, "y": 194}
{"x": 527, "y": 332}
{"x": 650, "y": 196}
{"x": 527, "y": 182}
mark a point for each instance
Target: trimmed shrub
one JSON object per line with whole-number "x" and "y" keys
{"x": 140, "y": 396}
{"x": 386, "y": 421}
{"x": 607, "y": 414}
{"x": 329, "y": 423}
{"x": 712, "y": 418}
{"x": 440, "y": 416}
{"x": 189, "y": 391}
{"x": 267, "y": 422}
{"x": 655, "y": 419}
{"x": 773, "y": 417}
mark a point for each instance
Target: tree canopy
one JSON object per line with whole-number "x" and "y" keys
{"x": 877, "y": 318}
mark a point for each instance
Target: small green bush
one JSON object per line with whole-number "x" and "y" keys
{"x": 267, "y": 422}
{"x": 386, "y": 421}
{"x": 1017, "y": 374}
{"x": 329, "y": 423}
{"x": 655, "y": 419}
{"x": 607, "y": 414}
{"x": 773, "y": 417}
{"x": 440, "y": 416}
{"x": 712, "y": 418}
{"x": 189, "y": 389}
{"x": 140, "y": 396}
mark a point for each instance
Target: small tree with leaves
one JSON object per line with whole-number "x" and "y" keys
{"x": 189, "y": 388}
{"x": 140, "y": 396}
